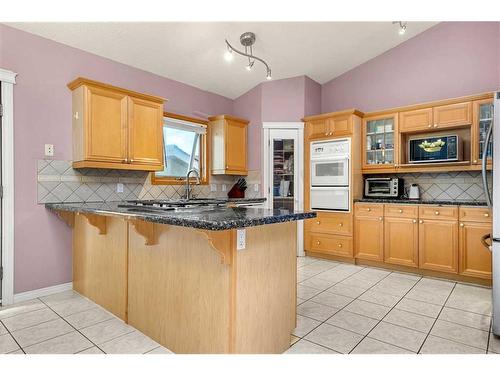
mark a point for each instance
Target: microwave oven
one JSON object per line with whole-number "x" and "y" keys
{"x": 435, "y": 149}
{"x": 376, "y": 187}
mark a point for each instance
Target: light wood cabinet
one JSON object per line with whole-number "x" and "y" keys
{"x": 318, "y": 129}
{"x": 438, "y": 245}
{"x": 341, "y": 125}
{"x": 380, "y": 143}
{"x": 229, "y": 145}
{"x": 415, "y": 120}
{"x": 330, "y": 244}
{"x": 330, "y": 222}
{"x": 401, "y": 241}
{"x": 369, "y": 237}
{"x": 482, "y": 117}
{"x": 331, "y": 124}
{"x": 452, "y": 115}
{"x": 116, "y": 128}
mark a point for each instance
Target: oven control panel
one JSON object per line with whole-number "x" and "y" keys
{"x": 330, "y": 148}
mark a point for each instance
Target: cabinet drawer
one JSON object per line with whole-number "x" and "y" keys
{"x": 477, "y": 214}
{"x": 331, "y": 244}
{"x": 368, "y": 209}
{"x": 335, "y": 223}
{"x": 400, "y": 210}
{"x": 438, "y": 212}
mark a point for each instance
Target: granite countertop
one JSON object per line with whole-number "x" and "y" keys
{"x": 422, "y": 201}
{"x": 204, "y": 217}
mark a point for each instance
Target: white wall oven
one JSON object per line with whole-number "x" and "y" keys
{"x": 330, "y": 175}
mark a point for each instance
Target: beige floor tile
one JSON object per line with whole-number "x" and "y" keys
{"x": 315, "y": 310}
{"x": 18, "y": 351}
{"x": 69, "y": 343}
{"x": 300, "y": 300}
{"x": 332, "y": 300}
{"x": 303, "y": 261}
{"x": 3, "y": 330}
{"x": 410, "y": 320}
{"x": 17, "y": 322}
{"x": 73, "y": 306}
{"x": 494, "y": 344}
{"x": 418, "y": 307}
{"x": 466, "y": 318}
{"x": 373, "y": 274}
{"x": 359, "y": 282}
{"x": 368, "y": 309}
{"x": 429, "y": 294}
{"x": 306, "y": 292}
{"x": 352, "y": 322}
{"x": 335, "y": 338}
{"x": 7, "y": 344}
{"x": 372, "y": 346}
{"x": 471, "y": 298}
{"x": 346, "y": 290}
{"x": 395, "y": 286}
{"x": 456, "y": 332}
{"x": 131, "y": 343}
{"x": 41, "y": 332}
{"x": 92, "y": 350}
{"x": 305, "y": 325}
{"x": 404, "y": 275}
{"x": 54, "y": 299}
{"x": 304, "y": 273}
{"x": 89, "y": 317}
{"x": 160, "y": 350}
{"x": 20, "y": 308}
{"x": 319, "y": 266}
{"x": 384, "y": 299}
{"x": 317, "y": 283}
{"x": 398, "y": 336}
{"x": 333, "y": 275}
{"x": 438, "y": 345}
{"x": 307, "y": 347}
{"x": 107, "y": 330}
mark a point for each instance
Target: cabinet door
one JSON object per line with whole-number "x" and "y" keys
{"x": 106, "y": 126}
{"x": 319, "y": 129}
{"x": 401, "y": 241}
{"x": 369, "y": 238}
{"x": 474, "y": 258}
{"x": 145, "y": 131}
{"x": 452, "y": 115}
{"x": 416, "y": 120}
{"x": 482, "y": 117}
{"x": 236, "y": 147}
{"x": 340, "y": 125}
{"x": 380, "y": 141}
{"x": 438, "y": 245}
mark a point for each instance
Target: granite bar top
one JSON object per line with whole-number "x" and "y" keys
{"x": 204, "y": 217}
{"x": 422, "y": 201}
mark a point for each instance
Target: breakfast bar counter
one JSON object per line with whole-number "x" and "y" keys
{"x": 209, "y": 279}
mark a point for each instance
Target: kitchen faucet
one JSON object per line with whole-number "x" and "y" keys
{"x": 188, "y": 186}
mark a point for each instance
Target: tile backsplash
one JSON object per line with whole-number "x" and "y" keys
{"x": 57, "y": 181}
{"x": 449, "y": 186}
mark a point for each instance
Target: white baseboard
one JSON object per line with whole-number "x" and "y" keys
{"x": 25, "y": 296}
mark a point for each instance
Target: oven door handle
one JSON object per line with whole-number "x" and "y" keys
{"x": 328, "y": 158}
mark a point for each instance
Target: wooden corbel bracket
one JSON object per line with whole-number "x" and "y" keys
{"x": 146, "y": 230}
{"x": 221, "y": 242}
{"x": 67, "y": 216}
{"x": 97, "y": 221}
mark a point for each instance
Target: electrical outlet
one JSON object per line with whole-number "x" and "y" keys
{"x": 49, "y": 150}
{"x": 213, "y": 187}
{"x": 224, "y": 187}
{"x": 241, "y": 239}
{"x": 256, "y": 187}
{"x": 119, "y": 187}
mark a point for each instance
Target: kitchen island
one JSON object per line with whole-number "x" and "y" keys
{"x": 209, "y": 279}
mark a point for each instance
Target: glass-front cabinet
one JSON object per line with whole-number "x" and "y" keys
{"x": 482, "y": 119}
{"x": 283, "y": 173}
{"x": 380, "y": 143}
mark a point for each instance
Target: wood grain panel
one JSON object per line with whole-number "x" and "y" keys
{"x": 401, "y": 210}
{"x": 438, "y": 245}
{"x": 415, "y": 120}
{"x": 330, "y": 222}
{"x": 438, "y": 212}
{"x": 401, "y": 241}
{"x": 368, "y": 209}
{"x": 476, "y": 214}
{"x": 369, "y": 237}
{"x": 474, "y": 258}
{"x": 452, "y": 115}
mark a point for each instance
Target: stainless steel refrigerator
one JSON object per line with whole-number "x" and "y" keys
{"x": 493, "y": 200}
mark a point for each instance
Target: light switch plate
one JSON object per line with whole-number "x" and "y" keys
{"x": 224, "y": 187}
{"x": 213, "y": 187}
{"x": 241, "y": 239}
{"x": 119, "y": 187}
{"x": 49, "y": 150}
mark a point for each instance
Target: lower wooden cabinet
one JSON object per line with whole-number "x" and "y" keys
{"x": 330, "y": 244}
{"x": 401, "y": 241}
{"x": 369, "y": 237}
{"x": 474, "y": 258}
{"x": 438, "y": 245}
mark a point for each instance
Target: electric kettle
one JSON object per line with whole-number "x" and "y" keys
{"x": 414, "y": 192}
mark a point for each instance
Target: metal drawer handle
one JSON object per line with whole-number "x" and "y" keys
{"x": 486, "y": 244}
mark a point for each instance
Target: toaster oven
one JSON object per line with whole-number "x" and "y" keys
{"x": 378, "y": 187}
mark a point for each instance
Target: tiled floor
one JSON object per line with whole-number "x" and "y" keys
{"x": 66, "y": 323}
{"x": 344, "y": 308}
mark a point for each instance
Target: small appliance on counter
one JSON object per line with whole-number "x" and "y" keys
{"x": 384, "y": 187}
{"x": 414, "y": 192}
{"x": 444, "y": 148}
{"x": 238, "y": 190}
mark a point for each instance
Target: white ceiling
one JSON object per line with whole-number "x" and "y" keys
{"x": 192, "y": 52}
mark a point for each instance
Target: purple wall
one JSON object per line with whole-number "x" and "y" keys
{"x": 283, "y": 100}
{"x": 42, "y": 114}
{"x": 449, "y": 60}
{"x": 312, "y": 97}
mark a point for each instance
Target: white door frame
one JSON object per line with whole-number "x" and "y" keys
{"x": 8, "y": 80}
{"x": 266, "y": 169}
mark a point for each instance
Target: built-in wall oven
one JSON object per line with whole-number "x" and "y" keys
{"x": 330, "y": 175}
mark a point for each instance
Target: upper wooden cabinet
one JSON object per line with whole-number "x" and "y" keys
{"x": 482, "y": 117}
{"x": 329, "y": 125}
{"x": 415, "y": 120}
{"x": 115, "y": 128}
{"x": 229, "y": 145}
{"x": 435, "y": 118}
{"x": 380, "y": 144}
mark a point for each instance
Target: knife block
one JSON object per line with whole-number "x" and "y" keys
{"x": 236, "y": 192}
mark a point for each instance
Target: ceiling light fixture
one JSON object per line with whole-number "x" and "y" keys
{"x": 247, "y": 40}
{"x": 402, "y": 27}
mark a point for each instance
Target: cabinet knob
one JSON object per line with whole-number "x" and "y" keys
{"x": 474, "y": 161}
{"x": 436, "y": 213}
{"x": 381, "y": 218}
{"x": 414, "y": 221}
{"x": 318, "y": 222}
{"x": 368, "y": 209}
{"x": 400, "y": 211}
{"x": 124, "y": 160}
{"x": 339, "y": 245}
{"x": 341, "y": 224}
{"x": 396, "y": 165}
{"x": 430, "y": 126}
{"x": 131, "y": 160}
{"x": 421, "y": 221}
{"x": 486, "y": 215}
{"x": 331, "y": 133}
{"x": 318, "y": 242}
{"x": 326, "y": 133}
{"x": 435, "y": 125}
{"x": 461, "y": 224}
{"x": 76, "y": 115}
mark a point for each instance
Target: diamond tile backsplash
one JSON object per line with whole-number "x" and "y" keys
{"x": 450, "y": 186}
{"x": 59, "y": 182}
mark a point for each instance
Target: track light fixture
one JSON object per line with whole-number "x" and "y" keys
{"x": 247, "y": 40}
{"x": 402, "y": 27}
